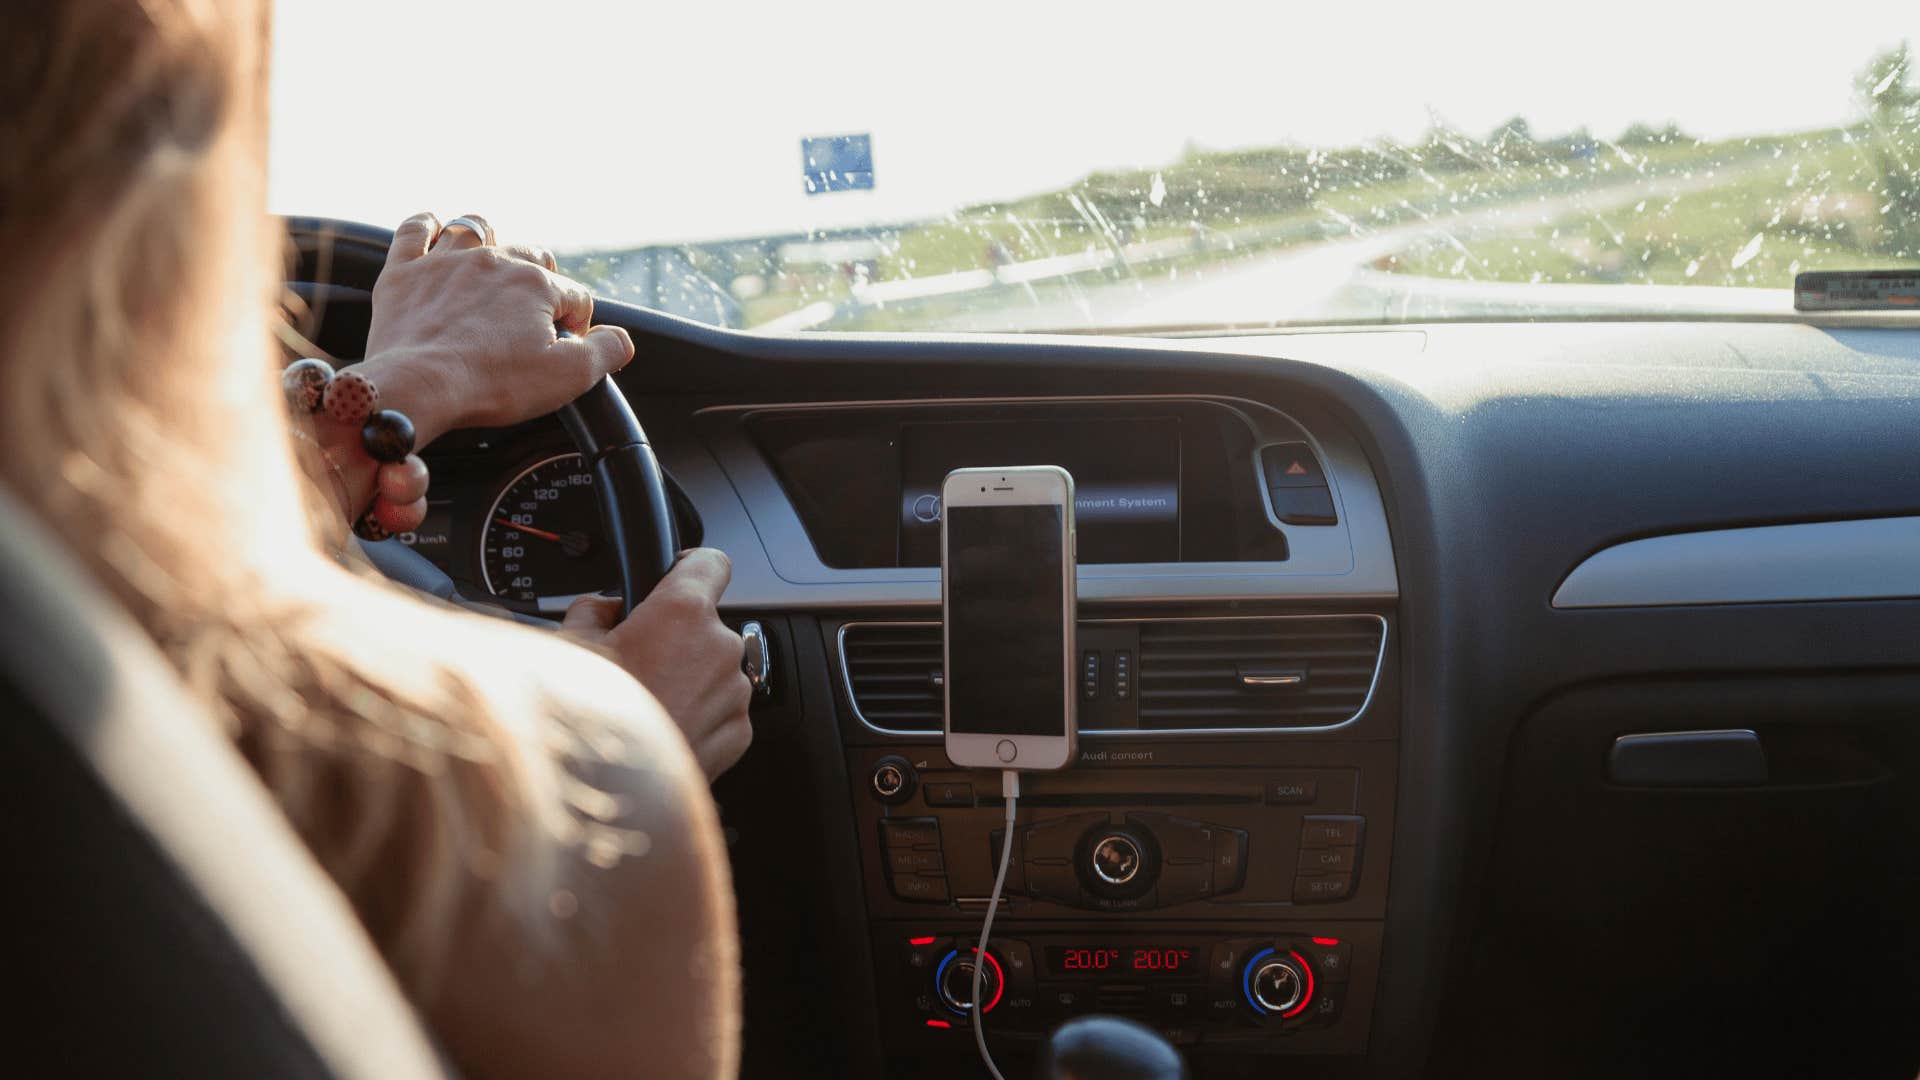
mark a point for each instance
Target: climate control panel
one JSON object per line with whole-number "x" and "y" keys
{"x": 1288, "y": 990}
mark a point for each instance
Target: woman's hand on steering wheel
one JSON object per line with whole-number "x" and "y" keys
{"x": 678, "y": 648}
{"x": 465, "y": 333}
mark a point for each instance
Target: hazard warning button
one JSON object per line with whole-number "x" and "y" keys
{"x": 1291, "y": 465}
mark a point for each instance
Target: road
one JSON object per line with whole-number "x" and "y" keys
{"x": 1334, "y": 280}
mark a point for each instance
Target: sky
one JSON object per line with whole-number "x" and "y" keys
{"x": 582, "y": 124}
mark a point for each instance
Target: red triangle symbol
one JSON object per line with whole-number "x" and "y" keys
{"x": 1296, "y": 469}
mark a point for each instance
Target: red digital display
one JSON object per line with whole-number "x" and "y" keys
{"x": 1155, "y": 959}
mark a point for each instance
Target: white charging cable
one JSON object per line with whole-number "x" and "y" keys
{"x": 1010, "y": 792}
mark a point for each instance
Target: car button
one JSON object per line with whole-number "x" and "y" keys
{"x": 1291, "y": 465}
{"x": 1331, "y": 860}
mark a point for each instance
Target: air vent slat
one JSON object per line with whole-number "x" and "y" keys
{"x": 1189, "y": 673}
{"x": 890, "y": 672}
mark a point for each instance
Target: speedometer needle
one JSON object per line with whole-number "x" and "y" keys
{"x": 541, "y": 533}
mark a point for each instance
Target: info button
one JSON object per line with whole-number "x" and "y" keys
{"x": 1292, "y": 790}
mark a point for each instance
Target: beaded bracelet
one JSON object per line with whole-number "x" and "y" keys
{"x": 386, "y": 435}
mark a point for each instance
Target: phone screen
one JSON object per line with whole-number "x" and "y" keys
{"x": 1005, "y": 620}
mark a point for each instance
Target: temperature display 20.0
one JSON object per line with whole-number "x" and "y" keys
{"x": 1153, "y": 959}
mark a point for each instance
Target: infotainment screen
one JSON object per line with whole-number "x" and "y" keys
{"x": 1126, "y": 475}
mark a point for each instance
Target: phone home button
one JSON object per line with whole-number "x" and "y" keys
{"x": 1006, "y": 751}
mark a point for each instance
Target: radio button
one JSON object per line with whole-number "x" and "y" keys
{"x": 910, "y": 832}
{"x": 1321, "y": 889}
{"x": 1331, "y": 860}
{"x": 1229, "y": 859}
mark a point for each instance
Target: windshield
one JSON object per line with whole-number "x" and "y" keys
{"x": 1037, "y": 166}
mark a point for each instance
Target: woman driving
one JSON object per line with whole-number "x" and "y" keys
{"x": 520, "y": 819}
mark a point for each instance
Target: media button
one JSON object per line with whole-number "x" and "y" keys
{"x": 914, "y": 860}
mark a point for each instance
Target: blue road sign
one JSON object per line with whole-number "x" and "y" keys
{"x": 837, "y": 163}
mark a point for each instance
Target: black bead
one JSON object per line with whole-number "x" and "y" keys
{"x": 388, "y": 436}
{"x": 367, "y": 528}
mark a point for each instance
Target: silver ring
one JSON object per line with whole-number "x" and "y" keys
{"x": 473, "y": 223}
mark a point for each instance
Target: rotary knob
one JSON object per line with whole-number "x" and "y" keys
{"x": 954, "y": 981}
{"x": 1118, "y": 864}
{"x": 1116, "y": 859}
{"x": 893, "y": 780}
{"x": 1278, "y": 984}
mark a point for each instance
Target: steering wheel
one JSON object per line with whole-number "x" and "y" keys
{"x": 627, "y": 479}
{"x": 629, "y": 485}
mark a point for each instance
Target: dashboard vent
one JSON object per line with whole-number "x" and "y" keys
{"x": 893, "y": 673}
{"x": 1301, "y": 671}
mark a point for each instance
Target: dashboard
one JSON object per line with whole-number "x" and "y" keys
{"x": 1522, "y": 569}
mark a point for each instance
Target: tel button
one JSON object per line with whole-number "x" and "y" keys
{"x": 1330, "y": 830}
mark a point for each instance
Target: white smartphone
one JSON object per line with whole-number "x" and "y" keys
{"x": 1008, "y": 599}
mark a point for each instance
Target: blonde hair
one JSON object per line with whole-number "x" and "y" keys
{"x": 143, "y": 423}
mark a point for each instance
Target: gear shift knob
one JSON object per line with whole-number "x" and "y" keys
{"x": 1108, "y": 1048}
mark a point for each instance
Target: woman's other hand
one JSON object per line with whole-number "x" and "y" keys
{"x": 463, "y": 332}
{"x": 678, "y": 648}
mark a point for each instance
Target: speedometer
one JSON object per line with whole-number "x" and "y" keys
{"x": 543, "y": 536}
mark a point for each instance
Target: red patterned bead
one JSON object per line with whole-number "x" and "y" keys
{"x": 305, "y": 384}
{"x": 351, "y": 397}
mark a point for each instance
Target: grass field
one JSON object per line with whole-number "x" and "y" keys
{"x": 1791, "y": 202}
{"x": 1818, "y": 205}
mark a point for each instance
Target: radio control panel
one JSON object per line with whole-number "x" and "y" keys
{"x": 1230, "y": 894}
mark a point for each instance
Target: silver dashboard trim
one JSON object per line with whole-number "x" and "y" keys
{"x": 1867, "y": 559}
{"x": 1373, "y": 685}
{"x": 1351, "y": 562}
